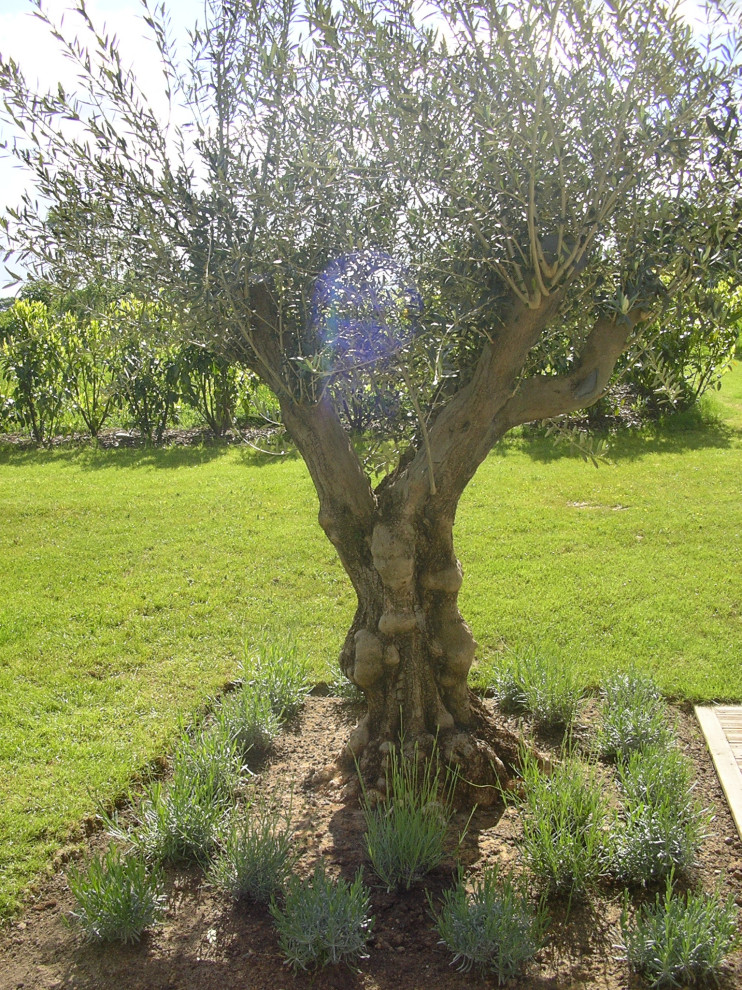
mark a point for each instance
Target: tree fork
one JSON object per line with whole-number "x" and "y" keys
{"x": 409, "y": 649}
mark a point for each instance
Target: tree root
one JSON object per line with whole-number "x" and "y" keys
{"x": 485, "y": 757}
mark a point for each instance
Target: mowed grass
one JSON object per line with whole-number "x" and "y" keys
{"x": 636, "y": 562}
{"x": 131, "y": 581}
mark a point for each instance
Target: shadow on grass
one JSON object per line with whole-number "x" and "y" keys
{"x": 631, "y": 445}
{"x": 91, "y": 458}
{"x": 676, "y": 435}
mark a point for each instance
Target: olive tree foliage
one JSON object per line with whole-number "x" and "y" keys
{"x": 478, "y": 206}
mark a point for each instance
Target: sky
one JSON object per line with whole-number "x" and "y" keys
{"x": 27, "y": 40}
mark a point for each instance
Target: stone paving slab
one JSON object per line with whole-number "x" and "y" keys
{"x": 722, "y": 727}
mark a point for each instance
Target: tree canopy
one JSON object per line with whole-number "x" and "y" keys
{"x": 478, "y": 156}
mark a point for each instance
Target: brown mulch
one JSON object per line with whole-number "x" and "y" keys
{"x": 111, "y": 438}
{"x": 207, "y": 942}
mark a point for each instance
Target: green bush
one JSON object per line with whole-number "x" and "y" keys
{"x": 256, "y": 853}
{"x": 91, "y": 370}
{"x": 117, "y": 897}
{"x": 651, "y": 841}
{"x": 210, "y": 760}
{"x": 564, "y": 840}
{"x": 494, "y": 929}
{"x": 341, "y": 687}
{"x": 323, "y": 920}
{"x": 211, "y": 385}
{"x": 149, "y": 370}
{"x": 31, "y": 362}
{"x": 179, "y": 824}
{"x": 405, "y": 834}
{"x": 508, "y": 687}
{"x": 653, "y": 774}
{"x": 680, "y": 941}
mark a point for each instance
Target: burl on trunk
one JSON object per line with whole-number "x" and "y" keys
{"x": 409, "y": 649}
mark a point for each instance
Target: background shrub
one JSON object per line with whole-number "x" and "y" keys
{"x": 91, "y": 368}
{"x": 31, "y": 363}
{"x": 211, "y": 385}
{"x": 148, "y": 385}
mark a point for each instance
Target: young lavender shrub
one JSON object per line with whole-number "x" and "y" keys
{"x": 680, "y": 941}
{"x": 274, "y": 665}
{"x": 256, "y": 854}
{"x": 180, "y": 820}
{"x": 633, "y": 715}
{"x": 662, "y": 826}
{"x": 323, "y": 921}
{"x": 341, "y": 687}
{"x": 211, "y": 759}
{"x": 118, "y": 897}
{"x": 178, "y": 823}
{"x": 653, "y": 773}
{"x": 494, "y": 928}
{"x": 564, "y": 826}
{"x": 507, "y": 685}
{"x": 246, "y": 716}
{"x": 540, "y": 686}
{"x": 552, "y": 694}
{"x": 405, "y": 835}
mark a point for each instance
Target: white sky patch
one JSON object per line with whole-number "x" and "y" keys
{"x": 703, "y": 21}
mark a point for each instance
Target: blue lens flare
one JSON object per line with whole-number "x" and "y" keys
{"x": 365, "y": 308}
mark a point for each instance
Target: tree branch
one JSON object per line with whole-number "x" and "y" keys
{"x": 346, "y": 502}
{"x": 545, "y": 396}
{"x": 458, "y": 439}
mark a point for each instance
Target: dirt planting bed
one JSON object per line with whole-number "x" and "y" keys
{"x": 208, "y": 943}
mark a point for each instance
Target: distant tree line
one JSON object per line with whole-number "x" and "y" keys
{"x": 62, "y": 369}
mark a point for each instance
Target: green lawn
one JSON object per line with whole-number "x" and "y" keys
{"x": 130, "y": 581}
{"x": 637, "y": 561}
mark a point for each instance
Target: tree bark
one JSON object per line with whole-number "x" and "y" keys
{"x": 409, "y": 649}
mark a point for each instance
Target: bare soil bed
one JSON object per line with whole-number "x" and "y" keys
{"x": 207, "y": 942}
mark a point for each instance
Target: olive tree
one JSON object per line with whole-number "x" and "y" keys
{"x": 477, "y": 206}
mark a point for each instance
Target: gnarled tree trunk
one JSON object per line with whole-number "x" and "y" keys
{"x": 409, "y": 649}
